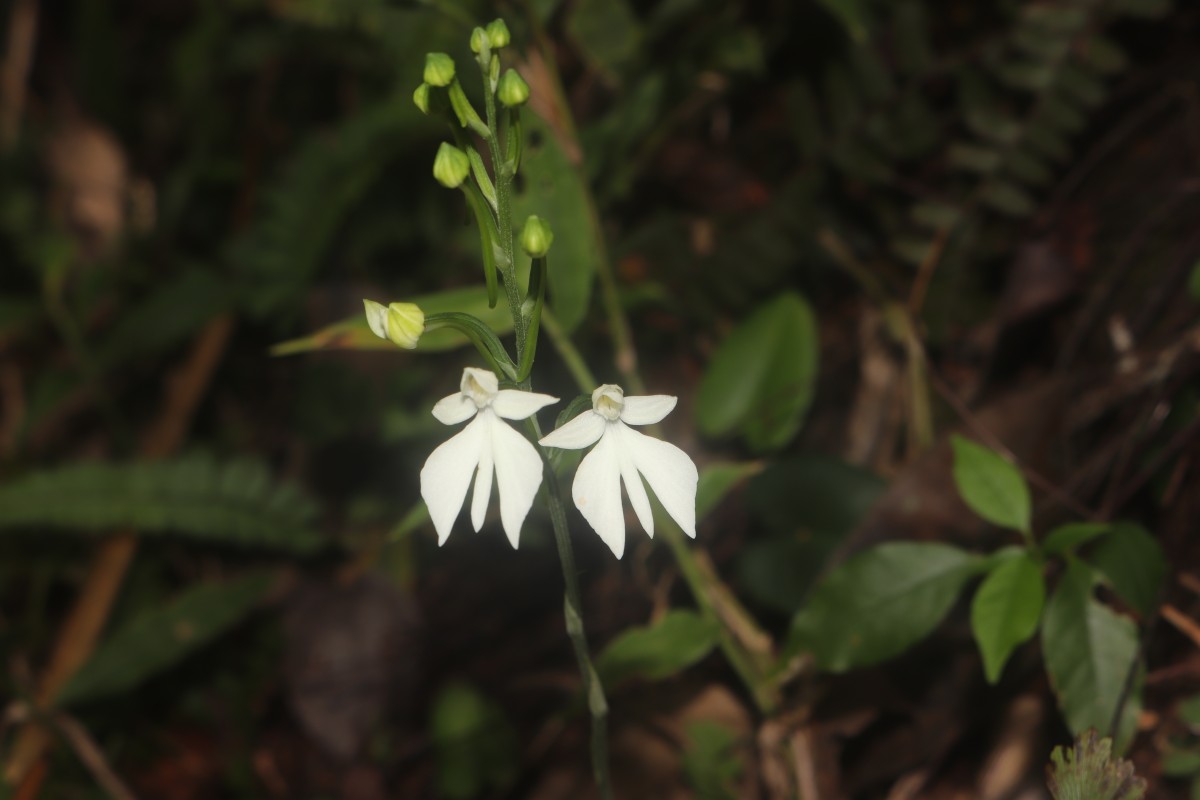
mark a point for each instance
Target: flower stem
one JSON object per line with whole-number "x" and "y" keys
{"x": 597, "y": 704}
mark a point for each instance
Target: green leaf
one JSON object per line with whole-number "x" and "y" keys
{"x": 761, "y": 380}
{"x": 1007, "y": 198}
{"x": 991, "y": 485}
{"x": 553, "y": 190}
{"x": 353, "y": 333}
{"x": 880, "y": 602}
{"x": 709, "y": 762}
{"x": 1133, "y": 562}
{"x": 852, "y": 14}
{"x": 1089, "y": 651}
{"x": 717, "y": 480}
{"x": 607, "y": 33}
{"x": 475, "y": 744}
{"x": 1104, "y": 55}
{"x": 1088, "y": 771}
{"x": 1006, "y": 610}
{"x": 973, "y": 157}
{"x": 162, "y": 636}
{"x": 233, "y": 502}
{"x": 1181, "y": 763}
{"x": 1067, "y": 538}
{"x": 653, "y": 652}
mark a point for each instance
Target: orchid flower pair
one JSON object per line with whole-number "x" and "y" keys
{"x": 489, "y": 447}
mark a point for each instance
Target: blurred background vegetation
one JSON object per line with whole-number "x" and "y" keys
{"x": 838, "y": 230}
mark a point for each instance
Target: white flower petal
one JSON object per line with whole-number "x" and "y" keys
{"x": 454, "y": 409}
{"x": 597, "y": 493}
{"x": 581, "y": 432}
{"x": 670, "y": 473}
{"x": 512, "y": 404}
{"x": 647, "y": 409}
{"x": 376, "y": 317}
{"x": 447, "y": 474}
{"x": 518, "y": 476}
{"x": 483, "y": 476}
{"x": 632, "y": 480}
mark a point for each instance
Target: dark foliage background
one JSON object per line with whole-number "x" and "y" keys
{"x": 838, "y": 230}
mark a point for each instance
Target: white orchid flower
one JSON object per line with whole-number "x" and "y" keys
{"x": 623, "y": 455}
{"x": 485, "y": 447}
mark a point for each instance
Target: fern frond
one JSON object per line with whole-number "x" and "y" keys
{"x": 233, "y": 502}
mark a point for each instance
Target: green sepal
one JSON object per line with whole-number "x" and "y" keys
{"x": 481, "y": 336}
{"x": 487, "y": 237}
{"x": 479, "y": 170}
{"x": 467, "y": 116}
{"x": 531, "y": 312}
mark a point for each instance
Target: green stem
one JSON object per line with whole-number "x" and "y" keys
{"x": 572, "y": 609}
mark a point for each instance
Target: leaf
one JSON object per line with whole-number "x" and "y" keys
{"x": 1008, "y": 198}
{"x": 1088, "y": 771}
{"x": 1089, "y": 651}
{"x": 973, "y": 157}
{"x": 992, "y": 487}
{"x": 880, "y": 602}
{"x": 813, "y": 492}
{"x": 1104, "y": 55}
{"x": 709, "y": 762}
{"x": 475, "y": 743}
{"x": 554, "y": 190}
{"x": 607, "y": 33}
{"x": 654, "y": 652}
{"x": 1133, "y": 562}
{"x": 232, "y": 502}
{"x": 169, "y": 314}
{"x": 1006, "y": 610}
{"x": 762, "y": 378}
{"x": 936, "y": 215}
{"x": 354, "y": 334}
{"x": 1067, "y": 538}
{"x": 717, "y": 480}
{"x": 162, "y": 636}
{"x": 910, "y": 30}
{"x": 852, "y": 14}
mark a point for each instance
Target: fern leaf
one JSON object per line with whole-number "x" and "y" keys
{"x": 163, "y": 636}
{"x": 1088, "y": 771}
{"x": 234, "y": 502}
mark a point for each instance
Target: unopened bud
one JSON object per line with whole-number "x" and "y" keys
{"x": 421, "y": 98}
{"x": 536, "y": 237}
{"x": 439, "y": 69}
{"x": 451, "y": 166}
{"x": 478, "y": 38}
{"x": 401, "y": 323}
{"x": 498, "y": 35}
{"x": 513, "y": 90}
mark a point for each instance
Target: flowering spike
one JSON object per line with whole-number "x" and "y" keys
{"x": 623, "y": 455}
{"x": 439, "y": 69}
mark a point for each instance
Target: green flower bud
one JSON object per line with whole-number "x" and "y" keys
{"x": 478, "y": 38}
{"x": 402, "y": 323}
{"x": 439, "y": 69}
{"x": 513, "y": 91}
{"x": 451, "y": 166}
{"x": 497, "y": 33}
{"x": 421, "y": 98}
{"x": 536, "y": 237}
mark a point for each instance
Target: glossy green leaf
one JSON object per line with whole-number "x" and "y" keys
{"x": 653, "y": 652}
{"x": 1133, "y": 562}
{"x": 1089, "y": 650}
{"x": 761, "y": 381}
{"x": 162, "y": 636}
{"x": 1005, "y": 611}
{"x": 880, "y": 602}
{"x": 1069, "y": 537}
{"x": 991, "y": 485}
{"x": 552, "y": 188}
{"x": 353, "y": 333}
